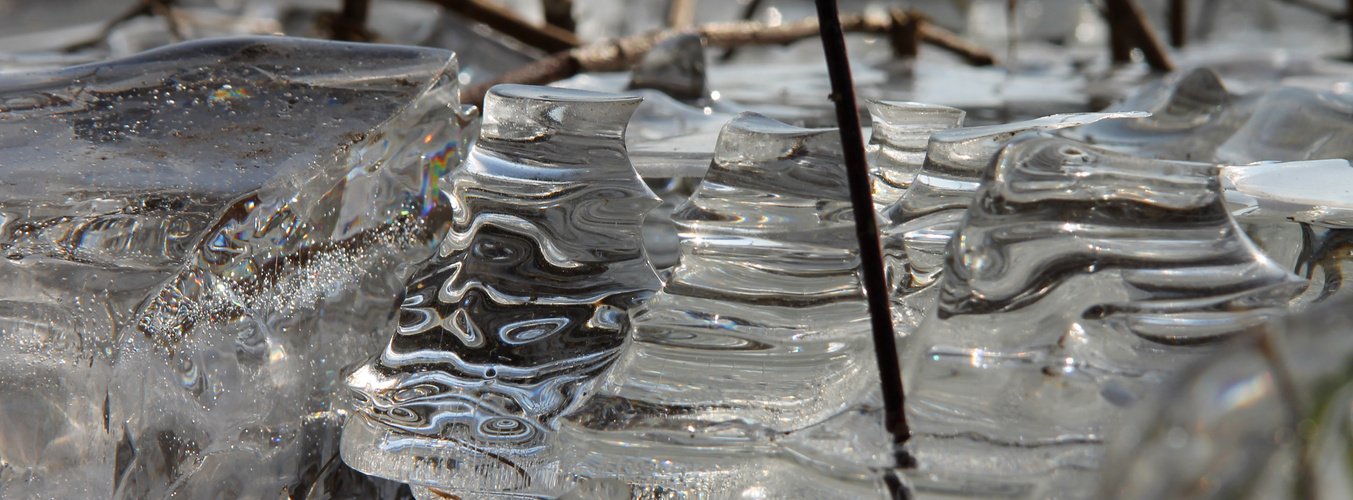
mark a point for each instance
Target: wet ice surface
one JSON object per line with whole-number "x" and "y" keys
{"x": 1055, "y": 313}
{"x": 523, "y": 308}
{"x": 179, "y": 229}
{"x": 760, "y": 332}
{"x": 204, "y": 243}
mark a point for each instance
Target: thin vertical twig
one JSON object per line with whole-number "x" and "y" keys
{"x": 748, "y": 11}
{"x": 1348, "y": 17}
{"x": 1011, "y": 30}
{"x": 906, "y": 33}
{"x": 681, "y": 14}
{"x": 1179, "y": 22}
{"x": 866, "y": 231}
{"x": 560, "y": 13}
{"x": 1129, "y": 28}
{"x": 350, "y": 24}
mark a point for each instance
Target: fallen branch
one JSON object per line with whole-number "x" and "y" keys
{"x": 620, "y": 54}
{"x": 1129, "y": 28}
{"x": 548, "y": 38}
{"x": 141, "y": 8}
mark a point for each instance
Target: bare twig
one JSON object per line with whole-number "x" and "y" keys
{"x": 548, "y": 38}
{"x": 748, "y": 12}
{"x": 906, "y": 33}
{"x": 1179, "y": 22}
{"x": 969, "y": 50}
{"x": 620, "y": 54}
{"x": 560, "y": 13}
{"x": 142, "y": 8}
{"x": 682, "y": 13}
{"x": 866, "y": 231}
{"x": 1348, "y": 13}
{"x": 1129, "y": 28}
{"x": 350, "y": 23}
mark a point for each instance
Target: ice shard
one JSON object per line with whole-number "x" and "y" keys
{"x": 523, "y": 308}
{"x": 897, "y": 146}
{"x": 1078, "y": 281}
{"x": 179, "y": 228}
{"x": 762, "y": 330}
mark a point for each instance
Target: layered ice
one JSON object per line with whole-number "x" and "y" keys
{"x": 523, "y": 308}
{"x": 762, "y": 331}
{"x": 897, "y": 144}
{"x": 179, "y": 228}
{"x": 1078, "y": 281}
{"x": 917, "y": 227}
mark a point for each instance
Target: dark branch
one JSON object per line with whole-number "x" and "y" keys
{"x": 1129, "y": 28}
{"x": 866, "y": 230}
{"x": 548, "y": 38}
{"x": 620, "y": 54}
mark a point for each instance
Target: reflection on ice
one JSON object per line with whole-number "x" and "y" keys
{"x": 524, "y": 306}
{"x": 183, "y": 224}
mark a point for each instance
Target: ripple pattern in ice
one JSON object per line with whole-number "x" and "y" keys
{"x": 897, "y": 145}
{"x": 762, "y": 329}
{"x": 525, "y": 305}
{"x": 917, "y": 227}
{"x": 1078, "y": 280}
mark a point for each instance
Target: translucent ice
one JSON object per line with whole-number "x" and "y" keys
{"x": 1268, "y": 419}
{"x": 1192, "y": 114}
{"x": 1290, "y": 124}
{"x": 762, "y": 330}
{"x": 917, "y": 227}
{"x": 897, "y": 145}
{"x": 524, "y": 306}
{"x": 178, "y": 226}
{"x": 1078, "y": 280}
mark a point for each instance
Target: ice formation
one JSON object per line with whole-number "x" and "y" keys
{"x": 1078, "y": 281}
{"x": 761, "y": 331}
{"x": 898, "y": 141}
{"x": 198, "y": 239}
{"x": 916, "y": 227}
{"x": 203, "y": 243}
{"x": 523, "y": 308}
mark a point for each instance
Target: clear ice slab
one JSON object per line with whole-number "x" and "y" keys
{"x": 761, "y": 331}
{"x": 252, "y": 164}
{"x": 1079, "y": 280}
{"x": 897, "y": 144}
{"x": 523, "y": 308}
{"x": 916, "y": 228}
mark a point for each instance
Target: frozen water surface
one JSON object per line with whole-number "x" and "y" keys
{"x": 204, "y": 242}
{"x": 179, "y": 229}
